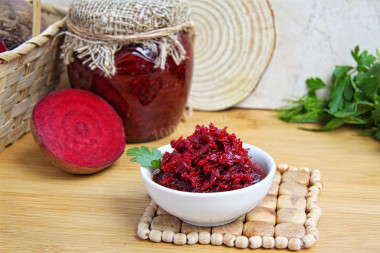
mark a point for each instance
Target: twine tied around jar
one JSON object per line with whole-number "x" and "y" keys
{"x": 97, "y": 29}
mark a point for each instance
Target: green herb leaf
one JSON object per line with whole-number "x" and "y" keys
{"x": 375, "y": 69}
{"x": 353, "y": 98}
{"x": 370, "y": 87}
{"x": 146, "y": 157}
{"x": 314, "y": 84}
{"x": 363, "y": 59}
{"x": 331, "y": 125}
{"x": 305, "y": 110}
{"x": 156, "y": 164}
{"x": 340, "y": 89}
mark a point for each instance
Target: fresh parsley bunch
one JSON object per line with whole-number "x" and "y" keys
{"x": 354, "y": 98}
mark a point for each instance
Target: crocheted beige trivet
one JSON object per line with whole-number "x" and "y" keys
{"x": 286, "y": 218}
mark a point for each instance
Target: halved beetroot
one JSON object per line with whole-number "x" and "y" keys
{"x": 78, "y": 131}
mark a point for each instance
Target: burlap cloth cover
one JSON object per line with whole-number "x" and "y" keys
{"x": 97, "y": 29}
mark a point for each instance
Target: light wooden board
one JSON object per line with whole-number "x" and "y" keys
{"x": 43, "y": 209}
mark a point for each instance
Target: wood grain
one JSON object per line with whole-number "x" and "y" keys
{"x": 233, "y": 46}
{"x": 36, "y": 29}
{"x": 43, "y": 209}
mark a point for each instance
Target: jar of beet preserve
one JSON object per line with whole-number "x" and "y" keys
{"x": 136, "y": 54}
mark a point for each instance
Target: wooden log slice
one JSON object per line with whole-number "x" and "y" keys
{"x": 234, "y": 43}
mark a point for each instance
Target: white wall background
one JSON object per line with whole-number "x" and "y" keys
{"x": 312, "y": 37}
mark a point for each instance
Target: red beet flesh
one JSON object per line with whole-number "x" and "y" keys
{"x": 210, "y": 160}
{"x": 3, "y": 48}
{"x": 78, "y": 131}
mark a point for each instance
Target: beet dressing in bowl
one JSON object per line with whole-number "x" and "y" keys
{"x": 210, "y": 178}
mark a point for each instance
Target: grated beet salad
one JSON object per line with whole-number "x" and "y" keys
{"x": 209, "y": 160}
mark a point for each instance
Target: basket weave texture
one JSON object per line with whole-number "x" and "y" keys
{"x": 27, "y": 74}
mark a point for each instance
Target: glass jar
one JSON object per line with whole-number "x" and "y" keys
{"x": 150, "y": 100}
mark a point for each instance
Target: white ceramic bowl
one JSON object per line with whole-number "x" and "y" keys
{"x": 217, "y": 208}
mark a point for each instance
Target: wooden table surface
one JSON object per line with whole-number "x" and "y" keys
{"x": 43, "y": 209}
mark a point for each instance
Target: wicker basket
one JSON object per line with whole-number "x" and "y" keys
{"x": 28, "y": 73}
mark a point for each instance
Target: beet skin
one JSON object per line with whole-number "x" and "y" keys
{"x": 78, "y": 131}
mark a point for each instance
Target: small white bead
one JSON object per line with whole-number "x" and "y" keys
{"x": 150, "y": 211}
{"x": 317, "y": 210}
{"x": 155, "y": 235}
{"x": 313, "y": 215}
{"x": 319, "y": 185}
{"x": 153, "y": 204}
{"x": 311, "y": 222}
{"x": 241, "y": 242}
{"x": 311, "y": 199}
{"x": 167, "y": 236}
{"x": 229, "y": 240}
{"x": 204, "y": 237}
{"x": 143, "y": 233}
{"x": 282, "y": 167}
{"x": 313, "y": 231}
{"x": 305, "y": 169}
{"x": 146, "y": 218}
{"x": 316, "y": 172}
{"x": 308, "y": 240}
{"x": 314, "y": 188}
{"x": 281, "y": 242}
{"x": 295, "y": 244}
{"x": 216, "y": 239}
{"x": 179, "y": 239}
{"x": 255, "y": 242}
{"x": 312, "y": 194}
{"x": 315, "y": 178}
{"x": 143, "y": 225}
{"x": 192, "y": 238}
{"x": 310, "y": 206}
{"x": 268, "y": 242}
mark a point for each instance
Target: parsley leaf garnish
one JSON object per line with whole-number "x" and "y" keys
{"x": 353, "y": 98}
{"x": 146, "y": 157}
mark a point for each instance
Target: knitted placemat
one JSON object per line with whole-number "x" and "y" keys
{"x": 286, "y": 218}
